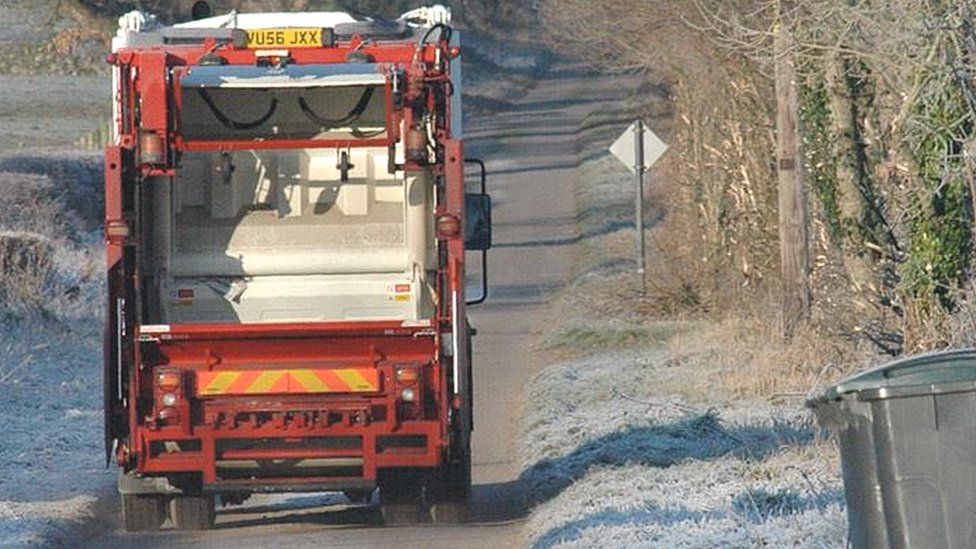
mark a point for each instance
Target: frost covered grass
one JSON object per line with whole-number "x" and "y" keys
{"x": 689, "y": 505}
{"x": 41, "y": 524}
{"x": 51, "y": 292}
{"x": 590, "y": 336}
{"x": 50, "y": 408}
{"x": 615, "y": 456}
{"x": 50, "y": 248}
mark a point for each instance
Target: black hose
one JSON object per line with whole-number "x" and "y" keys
{"x": 353, "y": 115}
{"x": 359, "y": 134}
{"x": 233, "y": 124}
{"x": 446, "y": 33}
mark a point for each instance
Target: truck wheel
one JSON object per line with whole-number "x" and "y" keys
{"x": 399, "y": 513}
{"x": 401, "y": 498}
{"x": 449, "y": 490}
{"x": 193, "y": 512}
{"x": 142, "y": 513}
{"x": 449, "y": 512}
{"x": 359, "y": 497}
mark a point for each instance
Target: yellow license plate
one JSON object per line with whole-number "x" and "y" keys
{"x": 284, "y": 38}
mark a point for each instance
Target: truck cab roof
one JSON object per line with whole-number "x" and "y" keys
{"x": 235, "y": 20}
{"x": 138, "y": 28}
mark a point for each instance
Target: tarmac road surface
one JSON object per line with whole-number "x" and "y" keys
{"x": 531, "y": 153}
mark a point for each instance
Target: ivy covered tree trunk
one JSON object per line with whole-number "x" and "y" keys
{"x": 850, "y": 175}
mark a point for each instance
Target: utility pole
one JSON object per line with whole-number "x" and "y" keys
{"x": 793, "y": 215}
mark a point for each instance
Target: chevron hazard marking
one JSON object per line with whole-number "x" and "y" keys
{"x": 296, "y": 381}
{"x": 217, "y": 383}
{"x": 266, "y": 381}
{"x": 354, "y": 380}
{"x": 307, "y": 380}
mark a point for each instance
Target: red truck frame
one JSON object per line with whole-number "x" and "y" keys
{"x": 416, "y": 453}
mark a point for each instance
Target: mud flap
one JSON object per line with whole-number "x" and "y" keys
{"x": 112, "y": 379}
{"x": 463, "y": 420}
{"x": 109, "y": 390}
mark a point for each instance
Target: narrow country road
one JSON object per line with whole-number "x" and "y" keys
{"x": 531, "y": 153}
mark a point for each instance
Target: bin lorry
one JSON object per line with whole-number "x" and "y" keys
{"x": 286, "y": 226}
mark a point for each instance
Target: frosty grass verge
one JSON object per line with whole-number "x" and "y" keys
{"x": 51, "y": 457}
{"x": 610, "y": 462}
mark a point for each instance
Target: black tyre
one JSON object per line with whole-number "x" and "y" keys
{"x": 449, "y": 512}
{"x": 143, "y": 513}
{"x": 401, "y": 497}
{"x": 359, "y": 497}
{"x": 448, "y": 492}
{"x": 193, "y": 512}
{"x": 400, "y": 513}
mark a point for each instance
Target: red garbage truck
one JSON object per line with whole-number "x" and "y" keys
{"x": 286, "y": 225}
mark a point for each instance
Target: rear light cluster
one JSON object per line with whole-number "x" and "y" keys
{"x": 409, "y": 390}
{"x": 447, "y": 226}
{"x": 117, "y": 230}
{"x": 152, "y": 149}
{"x": 168, "y": 391}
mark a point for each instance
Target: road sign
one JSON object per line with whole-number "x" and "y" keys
{"x": 625, "y": 146}
{"x": 638, "y": 148}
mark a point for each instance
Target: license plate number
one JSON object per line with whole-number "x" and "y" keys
{"x": 284, "y": 38}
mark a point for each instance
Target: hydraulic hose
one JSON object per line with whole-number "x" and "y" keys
{"x": 233, "y": 124}
{"x": 353, "y": 115}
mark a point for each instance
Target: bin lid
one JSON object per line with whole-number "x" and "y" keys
{"x": 930, "y": 373}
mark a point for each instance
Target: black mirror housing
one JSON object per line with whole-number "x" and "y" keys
{"x": 477, "y": 222}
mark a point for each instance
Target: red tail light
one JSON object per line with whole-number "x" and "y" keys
{"x": 407, "y": 375}
{"x": 117, "y": 230}
{"x": 409, "y": 391}
{"x": 448, "y": 226}
{"x": 151, "y": 148}
{"x": 169, "y": 381}
{"x": 168, "y": 394}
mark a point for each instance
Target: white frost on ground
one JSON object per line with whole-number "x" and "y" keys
{"x": 52, "y": 464}
{"x": 611, "y": 462}
{"x": 41, "y": 524}
{"x": 51, "y": 452}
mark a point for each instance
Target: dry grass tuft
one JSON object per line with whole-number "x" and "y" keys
{"x": 26, "y": 268}
{"x": 745, "y": 356}
{"x": 42, "y": 269}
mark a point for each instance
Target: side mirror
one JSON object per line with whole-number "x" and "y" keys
{"x": 477, "y": 226}
{"x": 477, "y": 222}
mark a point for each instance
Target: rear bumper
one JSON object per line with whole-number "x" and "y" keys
{"x": 288, "y": 451}
{"x": 283, "y": 407}
{"x": 161, "y": 485}
{"x": 258, "y": 486}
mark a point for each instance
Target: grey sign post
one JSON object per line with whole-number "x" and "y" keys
{"x": 639, "y": 148}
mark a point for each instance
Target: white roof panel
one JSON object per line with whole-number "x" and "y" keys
{"x": 233, "y": 20}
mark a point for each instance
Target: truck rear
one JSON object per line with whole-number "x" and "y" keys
{"x": 286, "y": 227}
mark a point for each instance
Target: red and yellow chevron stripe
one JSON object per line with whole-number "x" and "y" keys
{"x": 265, "y": 382}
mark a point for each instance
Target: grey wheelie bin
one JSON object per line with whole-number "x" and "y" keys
{"x": 907, "y": 435}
